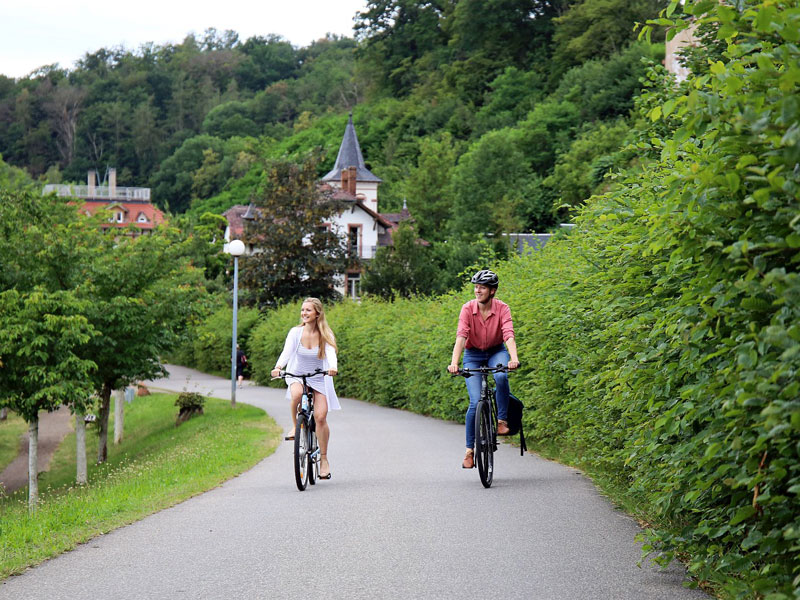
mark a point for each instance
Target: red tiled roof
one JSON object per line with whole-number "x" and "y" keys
{"x": 132, "y": 209}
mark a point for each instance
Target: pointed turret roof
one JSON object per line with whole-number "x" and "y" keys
{"x": 350, "y": 156}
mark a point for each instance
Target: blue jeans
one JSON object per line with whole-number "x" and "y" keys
{"x": 473, "y": 358}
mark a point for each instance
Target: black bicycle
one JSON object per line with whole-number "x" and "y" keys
{"x": 485, "y": 422}
{"x": 306, "y": 449}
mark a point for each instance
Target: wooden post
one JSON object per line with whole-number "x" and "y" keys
{"x": 119, "y": 414}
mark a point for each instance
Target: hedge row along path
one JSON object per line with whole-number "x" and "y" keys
{"x": 399, "y": 518}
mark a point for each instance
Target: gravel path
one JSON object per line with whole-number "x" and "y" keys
{"x": 399, "y": 519}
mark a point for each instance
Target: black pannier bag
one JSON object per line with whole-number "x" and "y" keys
{"x": 514, "y": 421}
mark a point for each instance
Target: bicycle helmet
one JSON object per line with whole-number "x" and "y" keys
{"x": 486, "y": 277}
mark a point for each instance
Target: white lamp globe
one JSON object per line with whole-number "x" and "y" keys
{"x": 236, "y": 248}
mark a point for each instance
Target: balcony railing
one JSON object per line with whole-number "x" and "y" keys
{"x": 98, "y": 192}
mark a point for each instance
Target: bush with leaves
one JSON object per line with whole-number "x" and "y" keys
{"x": 660, "y": 339}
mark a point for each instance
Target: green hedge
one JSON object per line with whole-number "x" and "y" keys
{"x": 208, "y": 347}
{"x": 660, "y": 340}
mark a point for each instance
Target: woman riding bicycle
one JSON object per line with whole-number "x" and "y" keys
{"x": 486, "y": 330}
{"x": 311, "y": 346}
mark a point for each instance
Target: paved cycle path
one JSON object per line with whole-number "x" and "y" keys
{"x": 399, "y": 519}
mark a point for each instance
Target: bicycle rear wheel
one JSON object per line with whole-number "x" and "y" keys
{"x": 301, "y": 441}
{"x": 484, "y": 446}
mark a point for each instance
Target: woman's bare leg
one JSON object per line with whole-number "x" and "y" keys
{"x": 296, "y": 390}
{"x": 323, "y": 431}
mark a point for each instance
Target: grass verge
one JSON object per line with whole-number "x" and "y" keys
{"x": 10, "y": 432}
{"x": 156, "y": 466}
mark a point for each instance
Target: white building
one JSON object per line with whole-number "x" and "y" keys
{"x": 363, "y": 227}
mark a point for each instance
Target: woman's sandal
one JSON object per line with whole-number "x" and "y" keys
{"x": 328, "y": 474}
{"x": 289, "y": 436}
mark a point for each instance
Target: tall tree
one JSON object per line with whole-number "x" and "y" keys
{"x": 297, "y": 254}
{"x": 45, "y": 331}
{"x": 597, "y": 29}
{"x": 397, "y": 34}
{"x": 427, "y": 187}
{"x": 143, "y": 293}
{"x": 43, "y": 337}
{"x": 402, "y": 269}
{"x": 63, "y": 107}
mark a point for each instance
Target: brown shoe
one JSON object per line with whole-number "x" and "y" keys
{"x": 502, "y": 428}
{"x": 469, "y": 460}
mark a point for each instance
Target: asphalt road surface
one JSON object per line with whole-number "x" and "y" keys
{"x": 398, "y": 519}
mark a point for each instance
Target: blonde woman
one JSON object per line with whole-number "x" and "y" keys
{"x": 310, "y": 346}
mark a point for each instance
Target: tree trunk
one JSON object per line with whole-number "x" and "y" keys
{"x": 80, "y": 448}
{"x": 105, "y": 402}
{"x": 33, "y": 464}
{"x": 3, "y": 413}
{"x": 119, "y": 414}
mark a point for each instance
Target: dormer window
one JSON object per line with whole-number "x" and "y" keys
{"x": 141, "y": 218}
{"x": 119, "y": 216}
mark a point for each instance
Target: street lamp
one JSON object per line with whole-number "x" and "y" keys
{"x": 235, "y": 249}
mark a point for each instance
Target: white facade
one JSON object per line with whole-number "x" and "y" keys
{"x": 360, "y": 229}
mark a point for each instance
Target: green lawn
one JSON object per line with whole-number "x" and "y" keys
{"x": 157, "y": 465}
{"x": 10, "y": 432}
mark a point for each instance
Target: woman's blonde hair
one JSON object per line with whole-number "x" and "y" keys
{"x": 325, "y": 331}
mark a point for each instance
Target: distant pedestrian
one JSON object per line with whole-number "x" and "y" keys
{"x": 241, "y": 363}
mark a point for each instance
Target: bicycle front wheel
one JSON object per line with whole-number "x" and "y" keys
{"x": 313, "y": 456}
{"x": 484, "y": 446}
{"x": 301, "y": 443}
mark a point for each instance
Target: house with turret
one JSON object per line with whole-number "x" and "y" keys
{"x": 360, "y": 224}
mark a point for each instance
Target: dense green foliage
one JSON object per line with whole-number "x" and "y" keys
{"x": 83, "y": 311}
{"x": 447, "y": 96}
{"x": 659, "y": 339}
{"x": 208, "y": 346}
{"x": 296, "y": 257}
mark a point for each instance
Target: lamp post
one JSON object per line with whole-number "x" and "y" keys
{"x": 235, "y": 249}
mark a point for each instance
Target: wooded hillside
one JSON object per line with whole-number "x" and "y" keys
{"x": 524, "y": 100}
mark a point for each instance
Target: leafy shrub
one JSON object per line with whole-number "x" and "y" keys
{"x": 265, "y": 343}
{"x": 211, "y": 339}
{"x": 660, "y": 339}
{"x": 189, "y": 401}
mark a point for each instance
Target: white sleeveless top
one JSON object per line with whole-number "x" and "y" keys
{"x": 308, "y": 361}
{"x": 290, "y": 355}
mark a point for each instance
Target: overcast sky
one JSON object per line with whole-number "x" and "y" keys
{"x": 34, "y": 33}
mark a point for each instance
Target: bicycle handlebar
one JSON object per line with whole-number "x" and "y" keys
{"x": 481, "y": 371}
{"x": 300, "y": 376}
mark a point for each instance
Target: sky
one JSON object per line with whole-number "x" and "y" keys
{"x": 35, "y": 33}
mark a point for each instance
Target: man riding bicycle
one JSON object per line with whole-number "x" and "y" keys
{"x": 486, "y": 330}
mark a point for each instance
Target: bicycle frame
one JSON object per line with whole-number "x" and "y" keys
{"x": 485, "y": 439}
{"x": 305, "y": 412}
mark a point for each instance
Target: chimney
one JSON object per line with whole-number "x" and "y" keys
{"x": 345, "y": 185}
{"x": 90, "y": 183}
{"x": 351, "y": 180}
{"x": 112, "y": 183}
